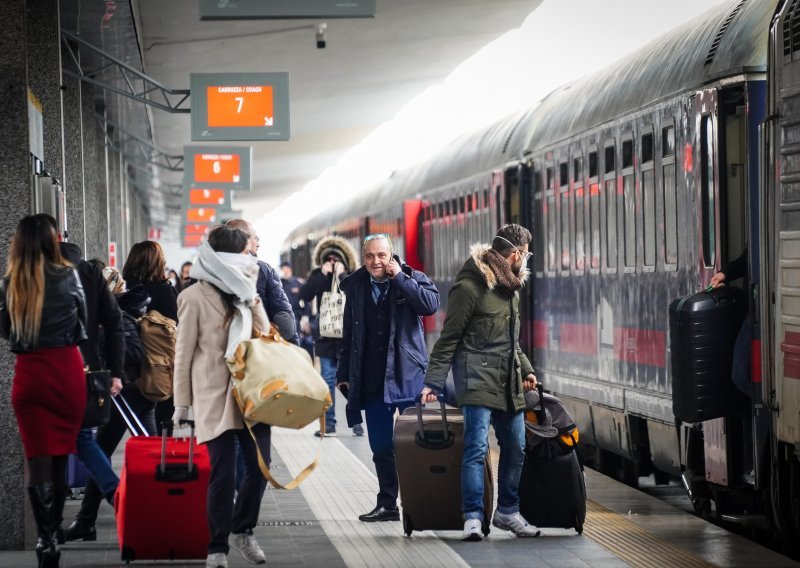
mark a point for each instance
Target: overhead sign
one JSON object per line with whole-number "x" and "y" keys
{"x": 192, "y": 241}
{"x": 240, "y": 106}
{"x": 200, "y": 215}
{"x": 112, "y": 254}
{"x": 282, "y": 9}
{"x": 216, "y": 167}
{"x": 217, "y": 199}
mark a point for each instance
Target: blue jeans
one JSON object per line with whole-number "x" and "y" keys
{"x": 328, "y": 371}
{"x": 510, "y": 431}
{"x": 740, "y": 373}
{"x": 380, "y": 430}
{"x": 96, "y": 462}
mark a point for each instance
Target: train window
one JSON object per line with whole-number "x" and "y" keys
{"x": 551, "y": 232}
{"x": 564, "y": 214}
{"x": 440, "y": 212}
{"x": 592, "y": 164}
{"x": 550, "y": 181}
{"x": 610, "y": 164}
{"x": 539, "y": 234}
{"x": 627, "y": 154}
{"x": 647, "y": 147}
{"x": 670, "y": 197}
{"x": 648, "y": 200}
{"x": 462, "y": 204}
{"x": 454, "y": 206}
{"x": 708, "y": 189}
{"x": 578, "y": 212}
{"x": 668, "y": 141}
{"x": 628, "y": 197}
{"x": 485, "y": 198}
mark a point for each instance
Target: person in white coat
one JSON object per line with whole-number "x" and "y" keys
{"x": 215, "y": 315}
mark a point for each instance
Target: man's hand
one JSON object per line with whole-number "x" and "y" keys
{"x": 326, "y": 268}
{"x": 717, "y": 280}
{"x": 116, "y": 386}
{"x": 428, "y": 395}
{"x": 393, "y": 268}
{"x": 529, "y": 383}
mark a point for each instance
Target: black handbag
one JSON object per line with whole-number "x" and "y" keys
{"x": 98, "y": 398}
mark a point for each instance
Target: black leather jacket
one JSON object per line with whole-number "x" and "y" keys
{"x": 63, "y": 313}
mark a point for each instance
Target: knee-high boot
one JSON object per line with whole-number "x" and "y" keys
{"x": 43, "y": 503}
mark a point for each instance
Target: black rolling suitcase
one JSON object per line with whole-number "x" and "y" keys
{"x": 428, "y": 447}
{"x": 552, "y": 489}
{"x": 702, "y": 333}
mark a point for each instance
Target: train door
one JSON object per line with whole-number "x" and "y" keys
{"x": 780, "y": 258}
{"x": 519, "y": 191}
{"x": 707, "y": 184}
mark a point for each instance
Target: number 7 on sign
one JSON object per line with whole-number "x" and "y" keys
{"x": 240, "y": 100}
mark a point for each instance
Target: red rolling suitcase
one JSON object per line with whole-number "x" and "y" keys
{"x": 161, "y": 500}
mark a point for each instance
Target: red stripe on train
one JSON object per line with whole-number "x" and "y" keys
{"x": 578, "y": 338}
{"x": 791, "y": 355}
{"x": 755, "y": 375}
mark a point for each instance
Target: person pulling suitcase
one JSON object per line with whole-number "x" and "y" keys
{"x": 480, "y": 339}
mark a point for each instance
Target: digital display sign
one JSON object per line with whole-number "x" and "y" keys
{"x": 193, "y": 241}
{"x": 240, "y": 106}
{"x": 285, "y": 9}
{"x": 196, "y": 229}
{"x": 201, "y": 215}
{"x": 207, "y": 196}
{"x": 217, "y": 168}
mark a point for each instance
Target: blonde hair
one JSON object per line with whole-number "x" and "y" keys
{"x": 34, "y": 249}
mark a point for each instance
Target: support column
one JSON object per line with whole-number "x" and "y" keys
{"x": 73, "y": 160}
{"x": 15, "y": 203}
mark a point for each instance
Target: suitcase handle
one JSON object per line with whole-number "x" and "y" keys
{"x": 176, "y": 472}
{"x": 442, "y": 438}
{"x": 540, "y": 414}
{"x": 129, "y": 416}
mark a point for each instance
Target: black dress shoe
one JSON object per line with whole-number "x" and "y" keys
{"x": 380, "y": 514}
{"x": 80, "y": 530}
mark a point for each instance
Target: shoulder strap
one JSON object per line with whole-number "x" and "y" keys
{"x": 300, "y": 476}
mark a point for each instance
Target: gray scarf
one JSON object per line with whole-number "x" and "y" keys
{"x": 233, "y": 274}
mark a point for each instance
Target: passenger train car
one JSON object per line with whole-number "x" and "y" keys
{"x": 638, "y": 182}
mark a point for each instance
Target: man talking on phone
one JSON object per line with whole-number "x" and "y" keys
{"x": 382, "y": 357}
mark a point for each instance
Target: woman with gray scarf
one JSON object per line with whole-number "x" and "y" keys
{"x": 215, "y": 315}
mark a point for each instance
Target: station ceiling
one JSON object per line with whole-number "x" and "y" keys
{"x": 368, "y": 70}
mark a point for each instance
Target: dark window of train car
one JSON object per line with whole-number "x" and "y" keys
{"x": 550, "y": 214}
{"x": 648, "y": 200}
{"x": 498, "y": 207}
{"x": 669, "y": 187}
{"x": 538, "y": 224}
{"x": 577, "y": 182}
{"x": 610, "y": 197}
{"x": 563, "y": 180}
{"x": 594, "y": 211}
{"x": 707, "y": 142}
{"x": 627, "y": 201}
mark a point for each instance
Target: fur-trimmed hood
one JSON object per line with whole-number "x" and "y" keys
{"x": 476, "y": 253}
{"x": 344, "y": 248}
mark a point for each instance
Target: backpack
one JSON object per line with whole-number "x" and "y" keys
{"x": 157, "y": 335}
{"x": 134, "y": 352}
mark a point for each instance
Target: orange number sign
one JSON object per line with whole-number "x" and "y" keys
{"x": 223, "y": 168}
{"x": 246, "y": 105}
{"x": 201, "y": 215}
{"x": 197, "y": 229}
{"x": 190, "y": 241}
{"x": 206, "y": 196}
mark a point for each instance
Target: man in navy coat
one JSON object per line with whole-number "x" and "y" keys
{"x": 383, "y": 358}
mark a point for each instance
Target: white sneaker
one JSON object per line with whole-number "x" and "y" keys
{"x": 247, "y": 545}
{"x": 217, "y": 560}
{"x": 515, "y": 523}
{"x": 472, "y": 530}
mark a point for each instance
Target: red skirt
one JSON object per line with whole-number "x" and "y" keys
{"x": 49, "y": 399}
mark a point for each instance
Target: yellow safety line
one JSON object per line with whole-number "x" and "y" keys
{"x": 627, "y": 540}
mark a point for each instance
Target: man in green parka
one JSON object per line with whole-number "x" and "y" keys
{"x": 480, "y": 339}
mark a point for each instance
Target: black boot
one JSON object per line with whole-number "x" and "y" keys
{"x": 43, "y": 503}
{"x": 61, "y": 497}
{"x": 80, "y": 529}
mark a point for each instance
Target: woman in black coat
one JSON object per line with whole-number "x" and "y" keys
{"x": 146, "y": 266}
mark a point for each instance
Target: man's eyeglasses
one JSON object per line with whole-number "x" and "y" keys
{"x": 525, "y": 255}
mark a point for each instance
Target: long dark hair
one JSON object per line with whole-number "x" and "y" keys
{"x": 34, "y": 250}
{"x": 227, "y": 239}
{"x": 146, "y": 263}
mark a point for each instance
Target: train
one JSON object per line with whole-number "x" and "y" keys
{"x": 638, "y": 182}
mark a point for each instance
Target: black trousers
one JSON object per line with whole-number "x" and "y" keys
{"x": 108, "y": 438}
{"x": 380, "y": 430}
{"x": 225, "y": 516}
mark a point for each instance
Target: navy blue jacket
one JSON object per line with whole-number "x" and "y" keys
{"x": 279, "y": 310}
{"x": 411, "y": 296}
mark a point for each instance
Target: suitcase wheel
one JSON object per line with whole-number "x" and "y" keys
{"x": 127, "y": 554}
{"x": 408, "y": 528}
